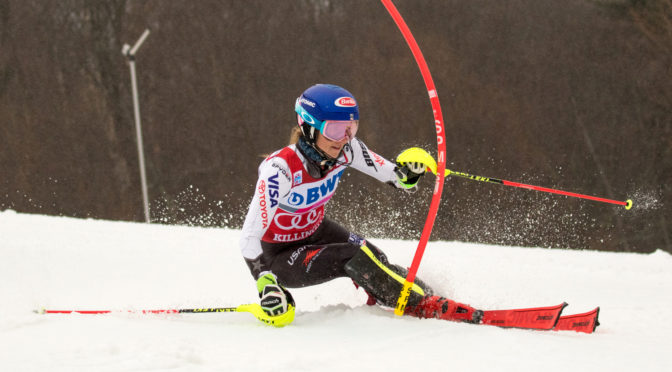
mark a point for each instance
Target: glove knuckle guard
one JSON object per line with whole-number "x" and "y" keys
{"x": 275, "y": 300}
{"x": 274, "y": 303}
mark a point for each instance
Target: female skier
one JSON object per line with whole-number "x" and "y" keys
{"x": 287, "y": 241}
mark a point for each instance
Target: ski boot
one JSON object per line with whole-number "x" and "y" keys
{"x": 442, "y": 308}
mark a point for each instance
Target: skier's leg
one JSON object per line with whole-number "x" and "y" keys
{"x": 308, "y": 265}
{"x": 323, "y": 257}
{"x": 370, "y": 269}
{"x": 315, "y": 260}
{"x": 334, "y": 252}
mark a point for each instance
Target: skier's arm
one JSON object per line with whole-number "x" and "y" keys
{"x": 274, "y": 182}
{"x": 366, "y": 161}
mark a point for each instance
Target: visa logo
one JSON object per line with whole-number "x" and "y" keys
{"x": 273, "y": 189}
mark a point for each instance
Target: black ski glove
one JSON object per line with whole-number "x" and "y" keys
{"x": 409, "y": 174}
{"x": 275, "y": 299}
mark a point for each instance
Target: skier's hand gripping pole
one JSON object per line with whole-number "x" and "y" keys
{"x": 274, "y": 298}
{"x": 409, "y": 174}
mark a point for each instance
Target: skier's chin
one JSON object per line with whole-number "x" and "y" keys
{"x": 334, "y": 151}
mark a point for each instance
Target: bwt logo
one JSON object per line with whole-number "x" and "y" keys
{"x": 296, "y": 199}
{"x": 313, "y": 194}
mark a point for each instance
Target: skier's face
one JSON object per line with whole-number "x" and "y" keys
{"x": 331, "y": 148}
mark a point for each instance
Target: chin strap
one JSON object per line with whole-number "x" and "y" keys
{"x": 312, "y": 152}
{"x": 316, "y": 157}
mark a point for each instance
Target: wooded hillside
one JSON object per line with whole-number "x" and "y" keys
{"x": 574, "y": 95}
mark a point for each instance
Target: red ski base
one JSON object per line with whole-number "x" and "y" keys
{"x": 586, "y": 322}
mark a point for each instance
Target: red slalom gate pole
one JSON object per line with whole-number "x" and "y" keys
{"x": 441, "y": 144}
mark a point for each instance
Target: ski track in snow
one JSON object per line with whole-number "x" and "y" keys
{"x": 67, "y": 263}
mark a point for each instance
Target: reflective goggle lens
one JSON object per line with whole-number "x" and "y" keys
{"x": 335, "y": 130}
{"x": 338, "y": 130}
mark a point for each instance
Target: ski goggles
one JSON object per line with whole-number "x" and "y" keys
{"x": 334, "y": 130}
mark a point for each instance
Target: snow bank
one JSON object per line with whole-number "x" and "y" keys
{"x": 58, "y": 262}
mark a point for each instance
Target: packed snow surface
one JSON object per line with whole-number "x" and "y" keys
{"x": 65, "y": 263}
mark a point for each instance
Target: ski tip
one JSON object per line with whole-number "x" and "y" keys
{"x": 557, "y": 318}
{"x": 583, "y": 322}
{"x": 628, "y": 204}
{"x": 40, "y": 311}
{"x": 597, "y": 317}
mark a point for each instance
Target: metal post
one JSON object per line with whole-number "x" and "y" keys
{"x": 130, "y": 55}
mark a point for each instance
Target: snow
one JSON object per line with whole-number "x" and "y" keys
{"x": 65, "y": 263}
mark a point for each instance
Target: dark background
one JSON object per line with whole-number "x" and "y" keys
{"x": 574, "y": 95}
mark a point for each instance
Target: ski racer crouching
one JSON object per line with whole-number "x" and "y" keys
{"x": 287, "y": 242}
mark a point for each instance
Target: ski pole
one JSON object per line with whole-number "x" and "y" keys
{"x": 157, "y": 311}
{"x": 416, "y": 154}
{"x": 254, "y": 309}
{"x": 627, "y": 204}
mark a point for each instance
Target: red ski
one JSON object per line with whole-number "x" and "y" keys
{"x": 585, "y": 322}
{"x": 543, "y": 318}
